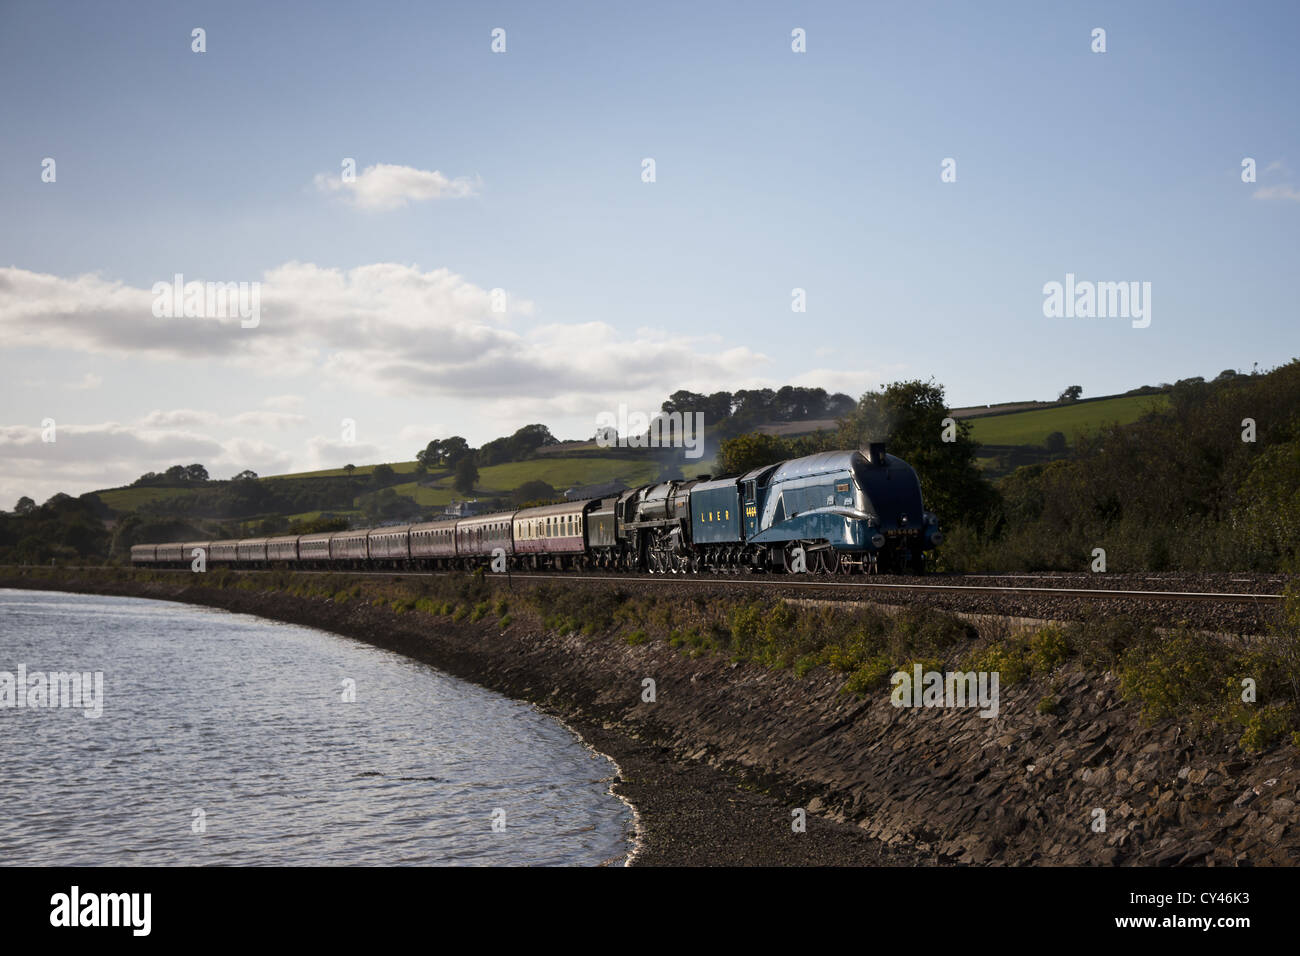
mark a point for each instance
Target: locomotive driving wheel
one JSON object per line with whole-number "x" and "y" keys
{"x": 828, "y": 561}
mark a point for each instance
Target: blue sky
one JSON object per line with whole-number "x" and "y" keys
{"x": 774, "y": 170}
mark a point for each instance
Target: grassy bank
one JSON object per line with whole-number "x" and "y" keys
{"x": 1250, "y": 689}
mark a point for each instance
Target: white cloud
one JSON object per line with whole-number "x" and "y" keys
{"x": 422, "y": 433}
{"x": 88, "y": 457}
{"x": 1277, "y": 192}
{"x": 325, "y": 452}
{"x": 283, "y": 403}
{"x": 88, "y": 382}
{"x": 850, "y": 383}
{"x": 387, "y": 186}
{"x": 182, "y": 417}
{"x": 385, "y": 327}
{"x": 109, "y": 454}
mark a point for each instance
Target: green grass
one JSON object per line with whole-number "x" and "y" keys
{"x": 1033, "y": 427}
{"x": 128, "y": 499}
{"x": 333, "y": 513}
{"x": 426, "y": 496}
{"x": 559, "y": 473}
{"x": 401, "y": 467}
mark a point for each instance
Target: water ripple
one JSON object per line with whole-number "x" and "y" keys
{"x": 245, "y": 720}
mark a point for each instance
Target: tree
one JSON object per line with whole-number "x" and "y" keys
{"x": 1055, "y": 442}
{"x": 176, "y": 473}
{"x": 196, "y": 473}
{"x": 534, "y": 491}
{"x": 246, "y": 475}
{"x": 1071, "y": 394}
{"x": 466, "y": 475}
{"x": 25, "y": 506}
{"x": 430, "y": 455}
{"x": 753, "y": 450}
{"x": 383, "y": 475}
{"x": 349, "y": 469}
{"x": 453, "y": 450}
{"x": 912, "y": 419}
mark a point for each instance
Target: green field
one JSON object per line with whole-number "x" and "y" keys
{"x": 401, "y": 467}
{"x": 128, "y": 499}
{"x": 1033, "y": 427}
{"x": 494, "y": 480}
{"x": 1012, "y": 439}
{"x": 559, "y": 473}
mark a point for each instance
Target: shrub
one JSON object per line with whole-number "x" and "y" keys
{"x": 869, "y": 676}
{"x": 1048, "y": 647}
{"x": 1179, "y": 674}
{"x": 1009, "y": 659}
{"x": 1264, "y": 726}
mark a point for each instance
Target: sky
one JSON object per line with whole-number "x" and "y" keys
{"x": 502, "y": 254}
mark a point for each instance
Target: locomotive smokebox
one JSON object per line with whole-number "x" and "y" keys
{"x": 876, "y": 452}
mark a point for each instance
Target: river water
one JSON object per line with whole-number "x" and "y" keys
{"x": 229, "y": 739}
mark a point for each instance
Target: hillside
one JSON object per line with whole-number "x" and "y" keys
{"x": 168, "y": 507}
{"x": 1012, "y": 434}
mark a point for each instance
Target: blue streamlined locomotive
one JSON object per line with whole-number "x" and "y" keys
{"x": 842, "y": 512}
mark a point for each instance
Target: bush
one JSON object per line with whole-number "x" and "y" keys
{"x": 1264, "y": 726}
{"x": 1180, "y": 674}
{"x": 1008, "y": 659}
{"x": 869, "y": 676}
{"x": 1048, "y": 647}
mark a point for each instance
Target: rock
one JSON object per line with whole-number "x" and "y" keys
{"x": 1245, "y": 799}
{"x": 1197, "y": 852}
{"x": 1103, "y": 752}
{"x": 1168, "y": 857}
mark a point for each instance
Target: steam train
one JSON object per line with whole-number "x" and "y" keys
{"x": 840, "y": 512}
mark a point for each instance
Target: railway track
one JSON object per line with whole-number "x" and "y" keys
{"x": 823, "y": 583}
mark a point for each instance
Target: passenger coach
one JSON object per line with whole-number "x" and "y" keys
{"x": 834, "y": 512}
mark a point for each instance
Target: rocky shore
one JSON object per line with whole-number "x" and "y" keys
{"x": 726, "y": 752}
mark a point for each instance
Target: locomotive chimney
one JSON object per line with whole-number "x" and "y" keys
{"x": 876, "y": 452}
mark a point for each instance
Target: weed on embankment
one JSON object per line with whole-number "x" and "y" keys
{"x": 1249, "y": 686}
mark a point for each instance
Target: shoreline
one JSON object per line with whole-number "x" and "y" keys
{"x": 684, "y": 813}
{"x": 721, "y": 752}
